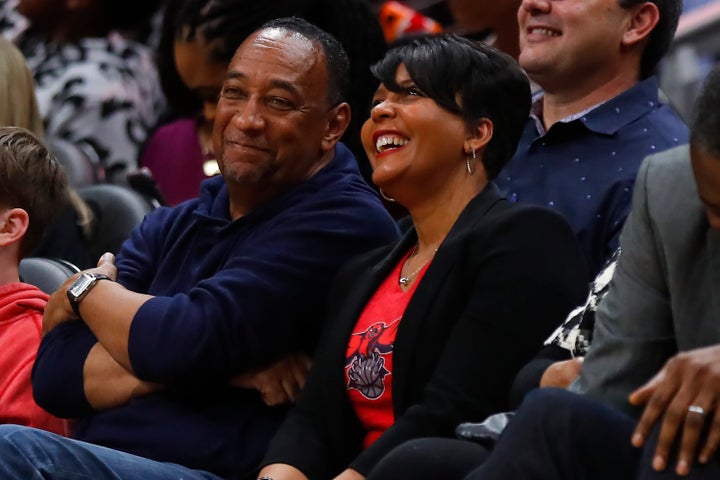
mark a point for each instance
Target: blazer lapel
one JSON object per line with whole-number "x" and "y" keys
{"x": 420, "y": 306}
{"x": 364, "y": 288}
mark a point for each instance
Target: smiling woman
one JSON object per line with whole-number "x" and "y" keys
{"x": 429, "y": 332}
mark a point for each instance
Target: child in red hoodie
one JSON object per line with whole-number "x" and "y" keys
{"x": 33, "y": 189}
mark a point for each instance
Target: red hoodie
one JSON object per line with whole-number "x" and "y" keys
{"x": 21, "y": 311}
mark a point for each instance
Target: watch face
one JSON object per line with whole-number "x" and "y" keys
{"x": 80, "y": 285}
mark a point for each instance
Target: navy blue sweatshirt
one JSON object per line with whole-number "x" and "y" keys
{"x": 229, "y": 296}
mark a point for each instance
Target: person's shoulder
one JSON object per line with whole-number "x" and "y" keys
{"x": 659, "y": 116}
{"x": 363, "y": 262}
{"x": 340, "y": 174}
{"x": 24, "y": 299}
{"x": 666, "y": 186}
{"x": 167, "y": 217}
{"x": 500, "y": 217}
{"x": 339, "y": 187}
{"x": 170, "y": 138}
{"x": 670, "y": 167}
{"x": 502, "y": 209}
{"x": 669, "y": 124}
{"x": 181, "y": 126}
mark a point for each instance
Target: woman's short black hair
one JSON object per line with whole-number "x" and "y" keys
{"x": 467, "y": 78}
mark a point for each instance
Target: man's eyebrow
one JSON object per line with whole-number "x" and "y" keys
{"x": 233, "y": 74}
{"x": 282, "y": 84}
{"x": 285, "y": 85}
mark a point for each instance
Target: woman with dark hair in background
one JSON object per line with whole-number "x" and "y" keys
{"x": 199, "y": 38}
{"x": 431, "y": 331}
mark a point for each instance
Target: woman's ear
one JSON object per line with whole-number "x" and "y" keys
{"x": 338, "y": 121}
{"x": 13, "y": 225}
{"x": 479, "y": 137}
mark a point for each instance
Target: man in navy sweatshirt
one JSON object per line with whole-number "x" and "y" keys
{"x": 145, "y": 352}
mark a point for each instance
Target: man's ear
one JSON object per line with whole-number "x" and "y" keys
{"x": 479, "y": 137}
{"x": 13, "y": 225}
{"x": 645, "y": 17}
{"x": 338, "y": 121}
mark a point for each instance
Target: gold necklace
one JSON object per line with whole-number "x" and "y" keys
{"x": 405, "y": 280}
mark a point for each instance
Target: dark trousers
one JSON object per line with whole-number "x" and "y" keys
{"x": 430, "y": 459}
{"x": 558, "y": 435}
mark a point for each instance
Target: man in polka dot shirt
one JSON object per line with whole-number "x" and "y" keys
{"x": 598, "y": 114}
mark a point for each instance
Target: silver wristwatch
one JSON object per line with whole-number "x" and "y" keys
{"x": 81, "y": 287}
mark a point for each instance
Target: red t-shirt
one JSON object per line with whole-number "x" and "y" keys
{"x": 369, "y": 360}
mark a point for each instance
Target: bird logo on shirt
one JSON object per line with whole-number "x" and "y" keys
{"x": 367, "y": 366}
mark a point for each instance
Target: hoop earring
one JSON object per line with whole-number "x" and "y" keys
{"x": 382, "y": 194}
{"x": 467, "y": 162}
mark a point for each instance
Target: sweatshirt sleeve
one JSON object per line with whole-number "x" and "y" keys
{"x": 57, "y": 375}
{"x": 267, "y": 299}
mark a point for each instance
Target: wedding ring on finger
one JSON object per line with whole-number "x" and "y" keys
{"x": 696, "y": 409}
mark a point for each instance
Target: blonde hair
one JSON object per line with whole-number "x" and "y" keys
{"x": 18, "y": 105}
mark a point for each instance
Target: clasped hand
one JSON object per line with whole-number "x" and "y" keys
{"x": 561, "y": 374}
{"x": 278, "y": 383}
{"x": 689, "y": 379}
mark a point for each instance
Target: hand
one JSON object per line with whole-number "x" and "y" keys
{"x": 689, "y": 378}
{"x": 279, "y": 383}
{"x": 106, "y": 266}
{"x": 350, "y": 474}
{"x": 562, "y": 374}
{"x": 58, "y": 309}
{"x": 282, "y": 471}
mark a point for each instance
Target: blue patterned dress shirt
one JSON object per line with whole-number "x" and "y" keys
{"x": 585, "y": 165}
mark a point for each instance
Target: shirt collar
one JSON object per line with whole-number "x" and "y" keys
{"x": 611, "y": 115}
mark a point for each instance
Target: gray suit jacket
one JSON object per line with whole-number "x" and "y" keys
{"x": 664, "y": 297}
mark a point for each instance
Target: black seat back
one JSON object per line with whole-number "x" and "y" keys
{"x": 117, "y": 211}
{"x": 46, "y": 273}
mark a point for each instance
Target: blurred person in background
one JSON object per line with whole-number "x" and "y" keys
{"x": 97, "y": 89}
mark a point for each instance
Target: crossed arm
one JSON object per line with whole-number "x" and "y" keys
{"x": 108, "y": 378}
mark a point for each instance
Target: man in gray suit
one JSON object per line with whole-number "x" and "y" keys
{"x": 656, "y": 346}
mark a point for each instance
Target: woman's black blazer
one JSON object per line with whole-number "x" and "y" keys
{"x": 503, "y": 279}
